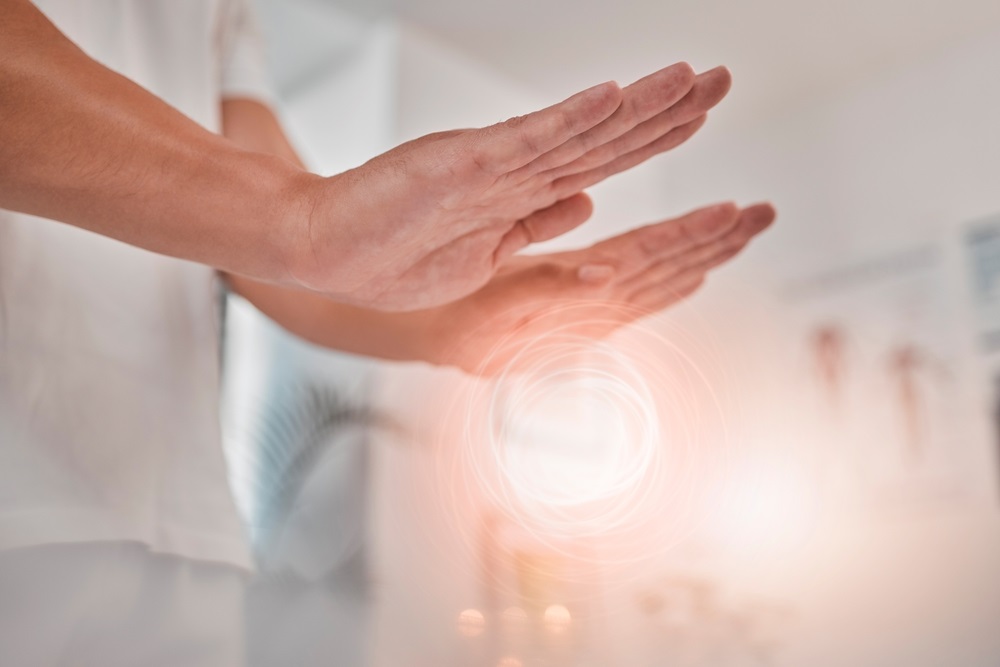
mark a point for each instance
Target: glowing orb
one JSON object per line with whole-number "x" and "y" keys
{"x": 602, "y": 453}
{"x": 574, "y": 439}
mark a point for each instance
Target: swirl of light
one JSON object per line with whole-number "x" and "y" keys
{"x": 596, "y": 451}
{"x": 572, "y": 436}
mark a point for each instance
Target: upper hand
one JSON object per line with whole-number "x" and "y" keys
{"x": 605, "y": 286}
{"x": 432, "y": 220}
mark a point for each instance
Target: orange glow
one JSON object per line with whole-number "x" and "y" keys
{"x": 599, "y": 452}
{"x": 572, "y": 440}
{"x": 510, "y": 661}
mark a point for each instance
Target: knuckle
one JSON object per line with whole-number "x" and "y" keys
{"x": 566, "y": 124}
{"x": 481, "y": 161}
{"x": 685, "y": 72}
{"x": 478, "y": 156}
{"x": 515, "y": 122}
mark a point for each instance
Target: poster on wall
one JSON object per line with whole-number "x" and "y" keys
{"x": 876, "y": 370}
{"x": 982, "y": 254}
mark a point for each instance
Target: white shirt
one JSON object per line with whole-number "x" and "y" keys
{"x": 109, "y": 355}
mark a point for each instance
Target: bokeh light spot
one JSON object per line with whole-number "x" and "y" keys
{"x": 471, "y": 623}
{"x": 557, "y": 619}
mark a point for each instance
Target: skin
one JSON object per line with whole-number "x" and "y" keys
{"x": 491, "y": 198}
{"x": 605, "y": 286}
{"x": 422, "y": 225}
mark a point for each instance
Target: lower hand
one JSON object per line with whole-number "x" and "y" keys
{"x": 645, "y": 270}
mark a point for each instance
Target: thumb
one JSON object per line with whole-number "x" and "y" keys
{"x": 546, "y": 224}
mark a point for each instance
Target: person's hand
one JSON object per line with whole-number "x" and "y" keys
{"x": 432, "y": 220}
{"x": 594, "y": 291}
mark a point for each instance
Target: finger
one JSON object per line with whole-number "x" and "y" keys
{"x": 757, "y": 217}
{"x": 636, "y": 251}
{"x": 670, "y": 237}
{"x": 506, "y": 146}
{"x": 711, "y": 87}
{"x": 644, "y": 99}
{"x": 752, "y": 221}
{"x": 704, "y": 257}
{"x": 674, "y": 273}
{"x": 567, "y": 185}
{"x": 658, "y": 297}
{"x": 617, "y": 260}
{"x": 545, "y": 224}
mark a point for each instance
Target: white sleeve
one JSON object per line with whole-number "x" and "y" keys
{"x": 244, "y": 67}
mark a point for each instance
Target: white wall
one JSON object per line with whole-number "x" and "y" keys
{"x": 345, "y": 114}
{"x": 910, "y": 159}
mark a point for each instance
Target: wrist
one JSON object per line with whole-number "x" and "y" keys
{"x": 325, "y": 246}
{"x": 446, "y": 338}
{"x": 429, "y": 334}
{"x": 299, "y": 199}
{"x": 257, "y": 213}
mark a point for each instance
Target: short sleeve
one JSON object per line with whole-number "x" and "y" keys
{"x": 244, "y": 67}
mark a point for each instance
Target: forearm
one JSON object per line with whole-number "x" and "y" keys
{"x": 409, "y": 336}
{"x": 83, "y": 145}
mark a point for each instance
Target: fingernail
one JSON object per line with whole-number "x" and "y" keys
{"x": 595, "y": 273}
{"x": 761, "y": 215}
{"x": 764, "y": 206}
{"x": 723, "y": 206}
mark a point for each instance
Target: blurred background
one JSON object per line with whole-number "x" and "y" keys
{"x": 853, "y": 350}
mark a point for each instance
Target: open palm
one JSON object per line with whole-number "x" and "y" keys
{"x": 606, "y": 286}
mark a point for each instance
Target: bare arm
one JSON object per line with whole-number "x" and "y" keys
{"x": 424, "y": 224}
{"x": 84, "y": 145}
